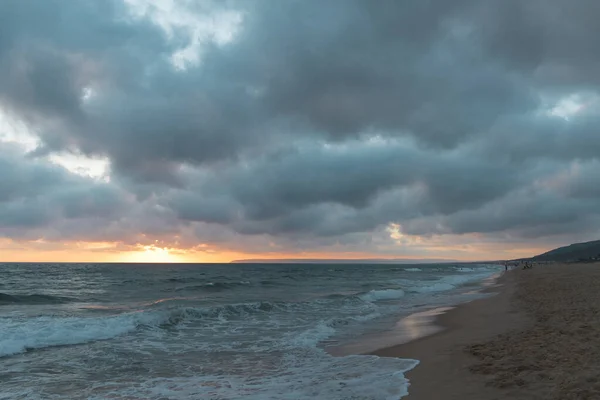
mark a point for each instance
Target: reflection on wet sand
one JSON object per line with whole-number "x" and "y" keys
{"x": 407, "y": 329}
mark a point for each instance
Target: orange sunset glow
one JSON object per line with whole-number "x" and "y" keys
{"x": 39, "y": 251}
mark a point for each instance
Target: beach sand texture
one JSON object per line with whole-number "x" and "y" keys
{"x": 538, "y": 338}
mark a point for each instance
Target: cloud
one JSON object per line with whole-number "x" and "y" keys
{"x": 354, "y": 67}
{"x": 36, "y": 194}
{"x": 302, "y": 124}
{"x": 338, "y": 189}
{"x": 562, "y": 202}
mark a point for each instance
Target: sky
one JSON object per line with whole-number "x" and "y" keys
{"x": 209, "y": 131}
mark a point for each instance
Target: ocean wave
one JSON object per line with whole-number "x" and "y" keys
{"x": 309, "y": 337}
{"x": 435, "y": 287}
{"x": 446, "y": 283}
{"x": 213, "y": 286}
{"x": 32, "y": 299}
{"x": 21, "y": 335}
{"x": 272, "y": 283}
{"x": 24, "y": 334}
{"x": 405, "y": 287}
{"x": 383, "y": 294}
{"x": 243, "y": 311}
{"x": 181, "y": 280}
{"x": 466, "y": 269}
{"x": 475, "y": 268}
{"x": 226, "y": 312}
{"x": 324, "y": 329}
{"x": 412, "y": 269}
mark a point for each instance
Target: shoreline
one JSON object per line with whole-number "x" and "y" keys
{"x": 443, "y": 371}
{"x": 538, "y": 338}
{"x": 414, "y": 326}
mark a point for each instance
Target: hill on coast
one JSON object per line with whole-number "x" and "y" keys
{"x": 586, "y": 251}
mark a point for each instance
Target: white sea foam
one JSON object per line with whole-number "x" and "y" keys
{"x": 447, "y": 283}
{"x": 384, "y": 294}
{"x": 299, "y": 377}
{"x": 309, "y": 337}
{"x": 413, "y": 269}
{"x": 435, "y": 287}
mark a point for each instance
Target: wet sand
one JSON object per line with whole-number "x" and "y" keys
{"x": 537, "y": 338}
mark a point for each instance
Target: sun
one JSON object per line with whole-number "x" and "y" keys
{"x": 152, "y": 254}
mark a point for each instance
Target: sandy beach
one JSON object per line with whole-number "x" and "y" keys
{"x": 538, "y": 337}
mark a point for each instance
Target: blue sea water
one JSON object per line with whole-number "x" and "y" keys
{"x": 235, "y": 331}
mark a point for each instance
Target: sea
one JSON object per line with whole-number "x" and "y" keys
{"x": 227, "y": 331}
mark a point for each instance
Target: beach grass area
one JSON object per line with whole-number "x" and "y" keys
{"x": 538, "y": 337}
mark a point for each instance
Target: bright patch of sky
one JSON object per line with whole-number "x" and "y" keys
{"x": 96, "y": 168}
{"x": 573, "y": 105}
{"x": 16, "y": 132}
{"x": 87, "y": 94}
{"x": 394, "y": 231}
{"x": 203, "y": 26}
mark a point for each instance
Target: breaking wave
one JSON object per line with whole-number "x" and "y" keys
{"x": 24, "y": 334}
{"x": 446, "y": 283}
{"x": 20, "y": 335}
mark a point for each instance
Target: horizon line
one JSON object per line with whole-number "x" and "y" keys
{"x": 268, "y": 261}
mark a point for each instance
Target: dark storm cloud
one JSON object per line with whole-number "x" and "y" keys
{"x": 567, "y": 200}
{"x": 402, "y": 67}
{"x": 43, "y": 50}
{"x": 551, "y": 40}
{"x": 319, "y": 121}
{"x": 334, "y": 69}
{"x": 47, "y": 62}
{"x": 35, "y": 194}
{"x": 340, "y": 189}
{"x": 542, "y": 137}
